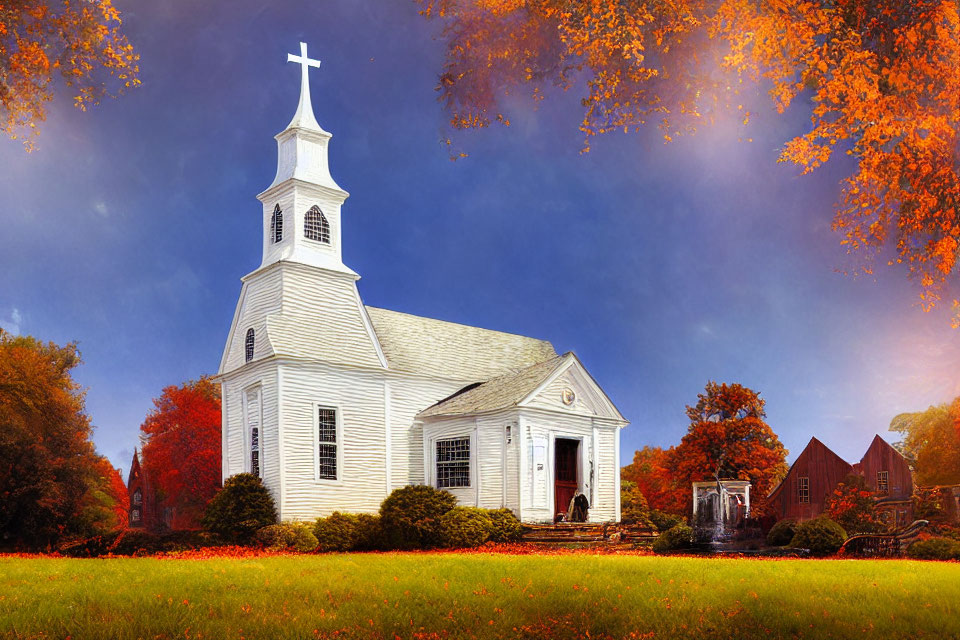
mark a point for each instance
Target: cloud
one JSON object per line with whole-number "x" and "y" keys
{"x": 101, "y": 208}
{"x": 12, "y": 323}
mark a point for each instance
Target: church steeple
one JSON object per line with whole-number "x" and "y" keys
{"x": 301, "y": 208}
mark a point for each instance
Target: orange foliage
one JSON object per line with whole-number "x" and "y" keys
{"x": 115, "y": 489}
{"x": 881, "y": 76}
{"x": 651, "y": 472}
{"x": 181, "y": 451}
{"x": 728, "y": 438}
{"x": 80, "y": 40}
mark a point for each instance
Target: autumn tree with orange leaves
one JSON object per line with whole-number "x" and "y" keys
{"x": 650, "y": 472}
{"x": 728, "y": 438}
{"x": 79, "y": 41}
{"x": 181, "y": 449}
{"x": 53, "y": 485}
{"x": 880, "y": 77}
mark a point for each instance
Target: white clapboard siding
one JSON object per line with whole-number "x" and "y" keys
{"x": 358, "y": 398}
{"x": 233, "y": 387}
{"x": 490, "y": 459}
{"x": 259, "y": 297}
{"x": 322, "y": 319}
{"x": 409, "y": 395}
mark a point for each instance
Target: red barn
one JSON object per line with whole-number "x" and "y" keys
{"x": 803, "y": 493}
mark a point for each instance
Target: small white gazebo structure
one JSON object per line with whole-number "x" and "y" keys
{"x": 722, "y": 503}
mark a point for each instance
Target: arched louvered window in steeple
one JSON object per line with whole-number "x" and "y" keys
{"x": 276, "y": 225}
{"x": 315, "y": 226}
{"x": 248, "y": 345}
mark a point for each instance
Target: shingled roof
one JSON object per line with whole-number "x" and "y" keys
{"x": 453, "y": 351}
{"x": 499, "y": 393}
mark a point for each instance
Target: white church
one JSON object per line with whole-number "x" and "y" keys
{"x": 335, "y": 404}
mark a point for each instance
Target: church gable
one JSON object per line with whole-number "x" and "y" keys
{"x": 571, "y": 389}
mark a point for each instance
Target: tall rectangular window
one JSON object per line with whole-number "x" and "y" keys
{"x": 255, "y": 451}
{"x": 254, "y": 425}
{"x": 803, "y": 490}
{"x": 327, "y": 443}
{"x": 453, "y": 463}
{"x": 882, "y": 481}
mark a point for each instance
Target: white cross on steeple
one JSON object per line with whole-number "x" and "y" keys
{"x": 304, "y": 116}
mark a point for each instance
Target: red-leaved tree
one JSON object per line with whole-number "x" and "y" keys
{"x": 729, "y": 438}
{"x": 651, "y": 473}
{"x": 181, "y": 450}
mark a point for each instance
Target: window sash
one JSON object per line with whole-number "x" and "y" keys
{"x": 803, "y": 490}
{"x": 453, "y": 463}
{"x": 255, "y": 451}
{"x": 328, "y": 444}
{"x": 883, "y": 481}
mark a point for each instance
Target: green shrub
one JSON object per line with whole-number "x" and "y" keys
{"x": 411, "y": 516}
{"x": 677, "y": 537}
{"x": 935, "y": 549}
{"x": 337, "y": 532}
{"x": 240, "y": 508}
{"x": 287, "y": 536}
{"x": 781, "y": 533}
{"x": 664, "y": 521}
{"x": 634, "y": 509}
{"x": 822, "y": 536}
{"x": 465, "y": 527}
{"x": 349, "y": 532}
{"x": 504, "y": 526}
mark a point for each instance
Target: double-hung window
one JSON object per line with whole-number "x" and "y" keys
{"x": 254, "y": 424}
{"x": 328, "y": 442}
{"x": 803, "y": 490}
{"x": 453, "y": 463}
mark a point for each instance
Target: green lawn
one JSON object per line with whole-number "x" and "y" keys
{"x": 477, "y": 595}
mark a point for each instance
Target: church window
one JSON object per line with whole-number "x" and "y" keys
{"x": 253, "y": 423}
{"x": 453, "y": 463}
{"x": 135, "y": 515}
{"x": 248, "y": 345}
{"x": 137, "y": 497}
{"x": 276, "y": 225}
{"x": 315, "y": 226}
{"x": 255, "y": 451}
{"x": 803, "y": 490}
{"x": 327, "y": 443}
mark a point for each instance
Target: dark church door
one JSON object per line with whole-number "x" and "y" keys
{"x": 565, "y": 458}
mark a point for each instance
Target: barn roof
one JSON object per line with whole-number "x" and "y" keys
{"x": 449, "y": 350}
{"x": 499, "y": 393}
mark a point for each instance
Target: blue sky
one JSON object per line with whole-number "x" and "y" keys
{"x": 662, "y": 266}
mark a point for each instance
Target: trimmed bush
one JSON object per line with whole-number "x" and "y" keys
{"x": 504, "y": 526}
{"x": 411, "y": 516}
{"x": 337, "y": 532}
{"x": 465, "y": 527}
{"x": 287, "y": 536}
{"x": 673, "y": 539}
{"x": 240, "y": 508}
{"x": 349, "y": 532}
{"x": 781, "y": 533}
{"x": 822, "y": 536}
{"x": 664, "y": 521}
{"x": 935, "y": 549}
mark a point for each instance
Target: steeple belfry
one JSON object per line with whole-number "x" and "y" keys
{"x": 301, "y": 208}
